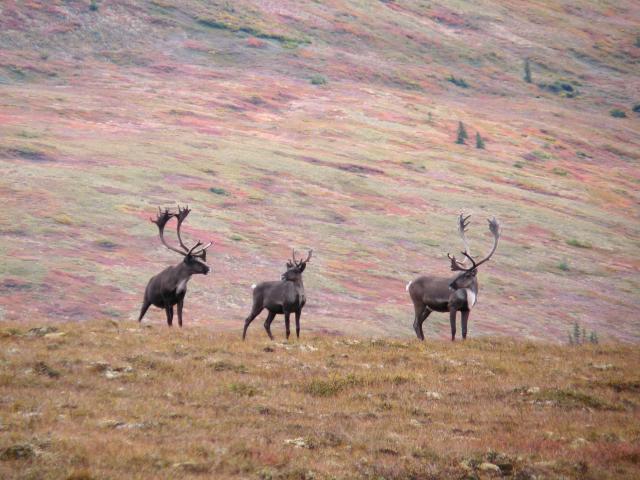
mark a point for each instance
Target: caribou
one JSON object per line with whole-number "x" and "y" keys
{"x": 281, "y": 297}
{"x": 169, "y": 287}
{"x": 459, "y": 293}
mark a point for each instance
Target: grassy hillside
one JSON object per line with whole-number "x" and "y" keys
{"x": 327, "y": 125}
{"x": 100, "y": 400}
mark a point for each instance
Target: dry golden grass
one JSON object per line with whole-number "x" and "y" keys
{"x": 109, "y": 400}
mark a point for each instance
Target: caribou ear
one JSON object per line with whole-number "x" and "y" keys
{"x": 302, "y": 267}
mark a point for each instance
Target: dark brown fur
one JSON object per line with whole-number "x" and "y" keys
{"x": 450, "y": 294}
{"x": 284, "y": 297}
{"x": 169, "y": 287}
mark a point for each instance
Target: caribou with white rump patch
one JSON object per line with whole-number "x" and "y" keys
{"x": 169, "y": 287}
{"x": 285, "y": 297}
{"x": 459, "y": 293}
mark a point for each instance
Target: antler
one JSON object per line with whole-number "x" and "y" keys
{"x": 202, "y": 253}
{"x": 181, "y": 215}
{"x": 494, "y": 227}
{"x": 463, "y": 223}
{"x": 455, "y": 265}
{"x": 295, "y": 263}
{"x": 161, "y": 220}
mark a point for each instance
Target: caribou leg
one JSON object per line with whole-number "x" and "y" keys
{"x": 254, "y": 313}
{"x": 422, "y": 312}
{"x": 180, "y": 305}
{"x": 465, "y": 317}
{"x": 143, "y": 310}
{"x": 287, "y": 324}
{"x": 169, "y": 311}
{"x": 267, "y": 324}
{"x": 427, "y": 312}
{"x": 298, "y": 313}
{"x": 452, "y": 320}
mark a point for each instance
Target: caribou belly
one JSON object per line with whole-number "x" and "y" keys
{"x": 471, "y": 298}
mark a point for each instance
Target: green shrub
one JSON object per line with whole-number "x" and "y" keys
{"x": 617, "y": 113}
{"x": 636, "y": 108}
{"x": 460, "y": 82}
{"x": 479, "y": 141}
{"x": 107, "y": 244}
{"x": 560, "y": 87}
{"x": 212, "y": 23}
{"x": 330, "y": 387}
{"x": 243, "y": 389}
{"x": 93, "y": 6}
{"x": 577, "y": 243}
{"x": 564, "y": 265}
{"x": 318, "y": 80}
{"x": 218, "y": 191}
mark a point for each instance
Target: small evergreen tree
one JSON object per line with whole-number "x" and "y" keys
{"x": 479, "y": 141}
{"x": 93, "y": 6}
{"x": 576, "y": 333}
{"x": 578, "y": 336}
{"x": 527, "y": 71}
{"x": 462, "y": 134}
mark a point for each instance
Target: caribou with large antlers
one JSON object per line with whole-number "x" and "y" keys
{"x": 458, "y": 293}
{"x": 283, "y": 297}
{"x": 169, "y": 287}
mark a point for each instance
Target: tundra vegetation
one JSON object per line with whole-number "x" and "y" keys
{"x": 106, "y": 114}
{"x": 123, "y": 400}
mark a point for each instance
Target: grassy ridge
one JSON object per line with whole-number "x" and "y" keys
{"x": 112, "y": 400}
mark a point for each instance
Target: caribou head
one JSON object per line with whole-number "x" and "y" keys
{"x": 295, "y": 267}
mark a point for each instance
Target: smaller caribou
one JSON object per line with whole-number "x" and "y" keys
{"x": 285, "y": 297}
{"x": 169, "y": 287}
{"x": 453, "y": 294}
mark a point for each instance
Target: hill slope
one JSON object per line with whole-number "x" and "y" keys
{"x": 328, "y": 126}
